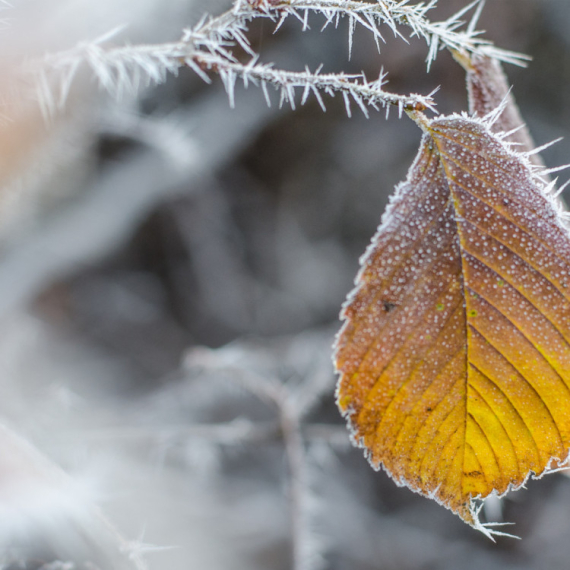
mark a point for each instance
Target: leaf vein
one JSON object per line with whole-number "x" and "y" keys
{"x": 358, "y": 320}
{"x": 484, "y": 400}
{"x": 514, "y": 286}
{"x": 422, "y": 425}
{"x": 419, "y": 401}
{"x": 539, "y": 397}
{"x": 479, "y": 463}
{"x": 523, "y": 333}
{"x": 444, "y": 446}
{"x": 475, "y": 367}
{"x": 490, "y": 446}
{"x": 420, "y": 362}
{"x": 537, "y": 272}
{"x": 401, "y": 347}
{"x": 461, "y": 449}
{"x": 462, "y": 167}
{"x": 542, "y": 242}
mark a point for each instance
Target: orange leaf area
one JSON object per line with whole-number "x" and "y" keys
{"x": 454, "y": 356}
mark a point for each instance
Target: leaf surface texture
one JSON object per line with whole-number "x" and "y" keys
{"x": 455, "y": 352}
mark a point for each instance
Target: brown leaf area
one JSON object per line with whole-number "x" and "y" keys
{"x": 454, "y": 356}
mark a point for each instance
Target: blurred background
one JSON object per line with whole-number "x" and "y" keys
{"x": 171, "y": 273}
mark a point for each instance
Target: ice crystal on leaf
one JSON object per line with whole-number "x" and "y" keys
{"x": 455, "y": 352}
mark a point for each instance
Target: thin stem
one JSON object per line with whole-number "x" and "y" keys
{"x": 356, "y": 86}
{"x": 295, "y": 451}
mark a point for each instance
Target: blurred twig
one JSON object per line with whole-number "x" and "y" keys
{"x": 292, "y": 402}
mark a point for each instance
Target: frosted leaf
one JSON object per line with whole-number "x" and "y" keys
{"x": 455, "y": 352}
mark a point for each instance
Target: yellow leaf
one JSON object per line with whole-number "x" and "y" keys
{"x": 454, "y": 356}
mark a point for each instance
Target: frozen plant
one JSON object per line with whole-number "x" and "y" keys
{"x": 210, "y": 47}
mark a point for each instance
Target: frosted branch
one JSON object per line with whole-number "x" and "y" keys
{"x": 370, "y": 15}
{"x": 208, "y": 47}
{"x": 127, "y": 69}
{"x": 354, "y": 88}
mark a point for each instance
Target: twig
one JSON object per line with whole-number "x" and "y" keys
{"x": 293, "y": 434}
{"x": 363, "y": 92}
{"x": 125, "y": 69}
{"x": 209, "y": 47}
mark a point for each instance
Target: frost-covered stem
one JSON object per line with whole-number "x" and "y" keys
{"x": 111, "y": 66}
{"x": 209, "y": 45}
{"x": 351, "y": 86}
{"x": 372, "y": 15}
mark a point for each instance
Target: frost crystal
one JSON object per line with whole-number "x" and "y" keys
{"x": 209, "y": 47}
